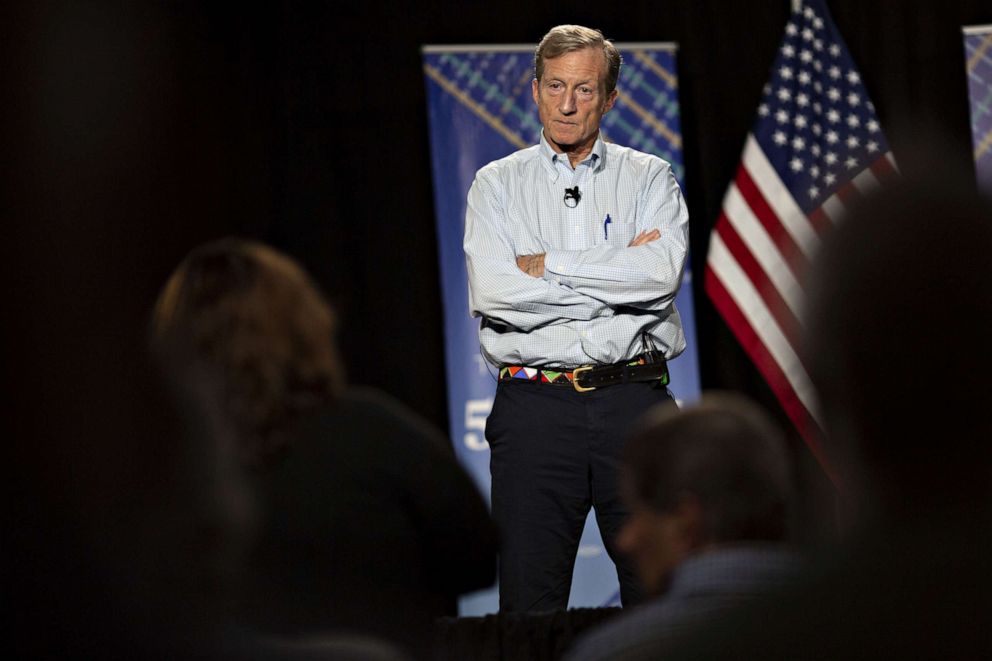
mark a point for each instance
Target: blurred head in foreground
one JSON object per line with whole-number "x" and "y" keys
{"x": 249, "y": 320}
{"x": 709, "y": 476}
{"x": 899, "y": 323}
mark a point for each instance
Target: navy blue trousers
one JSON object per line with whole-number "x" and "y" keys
{"x": 554, "y": 454}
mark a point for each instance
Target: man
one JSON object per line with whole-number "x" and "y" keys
{"x": 575, "y": 249}
{"x": 709, "y": 491}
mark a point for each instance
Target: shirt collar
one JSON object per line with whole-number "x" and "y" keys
{"x": 595, "y": 156}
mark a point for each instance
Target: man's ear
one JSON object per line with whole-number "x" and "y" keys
{"x": 611, "y": 99}
{"x": 533, "y": 89}
{"x": 688, "y": 514}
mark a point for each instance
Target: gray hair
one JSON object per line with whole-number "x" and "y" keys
{"x": 569, "y": 38}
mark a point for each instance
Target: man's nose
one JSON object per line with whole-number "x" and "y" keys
{"x": 567, "y": 105}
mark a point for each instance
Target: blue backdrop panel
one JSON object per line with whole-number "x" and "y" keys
{"x": 480, "y": 109}
{"x": 978, "y": 59}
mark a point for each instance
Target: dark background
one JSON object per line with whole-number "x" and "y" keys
{"x": 136, "y": 131}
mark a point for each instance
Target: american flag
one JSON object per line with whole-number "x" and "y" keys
{"x": 816, "y": 145}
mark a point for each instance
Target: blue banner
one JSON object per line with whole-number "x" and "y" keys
{"x": 978, "y": 58}
{"x": 480, "y": 109}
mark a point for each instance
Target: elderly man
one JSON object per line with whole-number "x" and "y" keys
{"x": 709, "y": 491}
{"x": 575, "y": 249}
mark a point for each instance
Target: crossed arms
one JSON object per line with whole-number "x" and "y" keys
{"x": 523, "y": 288}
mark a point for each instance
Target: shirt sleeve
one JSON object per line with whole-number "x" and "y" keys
{"x": 498, "y": 289}
{"x": 645, "y": 277}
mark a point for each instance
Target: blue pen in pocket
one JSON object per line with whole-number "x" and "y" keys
{"x": 606, "y": 228}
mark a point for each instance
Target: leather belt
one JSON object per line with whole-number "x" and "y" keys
{"x": 644, "y": 368}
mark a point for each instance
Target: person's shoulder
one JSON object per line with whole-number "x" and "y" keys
{"x": 630, "y": 157}
{"x": 384, "y": 412}
{"x": 510, "y": 163}
{"x": 634, "y": 630}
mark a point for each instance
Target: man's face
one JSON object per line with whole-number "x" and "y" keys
{"x": 656, "y": 542}
{"x": 571, "y": 99}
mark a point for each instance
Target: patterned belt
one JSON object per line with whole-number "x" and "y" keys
{"x": 640, "y": 369}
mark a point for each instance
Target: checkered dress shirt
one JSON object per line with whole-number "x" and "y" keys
{"x": 597, "y": 295}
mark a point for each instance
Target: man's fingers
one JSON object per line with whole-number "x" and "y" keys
{"x": 645, "y": 237}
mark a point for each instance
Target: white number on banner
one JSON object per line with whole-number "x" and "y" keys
{"x": 476, "y": 412}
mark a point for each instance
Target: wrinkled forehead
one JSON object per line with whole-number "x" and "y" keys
{"x": 587, "y": 62}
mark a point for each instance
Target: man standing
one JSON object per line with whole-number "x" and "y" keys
{"x": 575, "y": 249}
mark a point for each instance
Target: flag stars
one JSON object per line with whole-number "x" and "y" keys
{"x": 833, "y": 94}
{"x": 851, "y": 163}
{"x": 817, "y": 66}
{"x": 807, "y": 35}
{"x": 816, "y": 130}
{"x": 818, "y": 23}
{"x": 800, "y": 121}
{"x": 832, "y": 137}
{"x": 803, "y": 77}
{"x": 786, "y": 73}
{"x": 763, "y": 110}
{"x": 834, "y": 72}
{"x": 852, "y": 142}
{"x": 834, "y": 50}
{"x": 814, "y": 192}
{"x": 784, "y": 94}
{"x": 814, "y": 149}
{"x": 872, "y": 146}
{"x": 798, "y": 144}
{"x": 802, "y": 100}
{"x": 814, "y": 172}
{"x": 791, "y": 29}
{"x": 853, "y": 121}
{"x": 833, "y": 116}
{"x": 830, "y": 158}
{"x": 782, "y": 117}
{"x": 780, "y": 138}
{"x": 872, "y": 126}
{"x": 789, "y": 50}
{"x": 853, "y": 99}
{"x": 806, "y": 56}
{"x": 829, "y": 178}
{"x": 853, "y": 77}
{"x": 796, "y": 164}
{"x": 818, "y": 45}
{"x": 809, "y": 14}
{"x": 817, "y": 108}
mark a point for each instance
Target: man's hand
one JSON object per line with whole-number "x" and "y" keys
{"x": 532, "y": 265}
{"x": 639, "y": 240}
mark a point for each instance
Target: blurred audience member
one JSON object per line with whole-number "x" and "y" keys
{"x": 899, "y": 319}
{"x": 369, "y": 525}
{"x": 709, "y": 491}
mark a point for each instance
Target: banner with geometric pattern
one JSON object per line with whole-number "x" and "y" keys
{"x": 978, "y": 59}
{"x": 480, "y": 109}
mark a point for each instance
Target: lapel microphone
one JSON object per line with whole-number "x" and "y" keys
{"x": 572, "y": 197}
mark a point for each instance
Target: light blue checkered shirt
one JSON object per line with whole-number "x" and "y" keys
{"x": 597, "y": 295}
